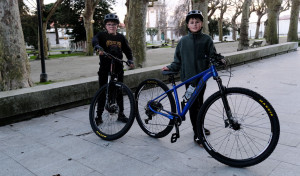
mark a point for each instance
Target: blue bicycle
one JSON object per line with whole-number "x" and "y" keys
{"x": 244, "y": 127}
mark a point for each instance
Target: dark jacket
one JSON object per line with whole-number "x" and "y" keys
{"x": 113, "y": 44}
{"x": 191, "y": 55}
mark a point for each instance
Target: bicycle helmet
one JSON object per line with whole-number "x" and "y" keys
{"x": 111, "y": 17}
{"x": 194, "y": 14}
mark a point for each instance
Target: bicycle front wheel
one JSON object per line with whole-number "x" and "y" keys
{"x": 112, "y": 111}
{"x": 154, "y": 124}
{"x": 252, "y": 136}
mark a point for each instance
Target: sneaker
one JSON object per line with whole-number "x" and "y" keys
{"x": 206, "y": 131}
{"x": 197, "y": 140}
{"x": 122, "y": 118}
{"x": 98, "y": 120}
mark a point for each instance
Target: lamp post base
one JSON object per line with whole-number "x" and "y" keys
{"x": 43, "y": 77}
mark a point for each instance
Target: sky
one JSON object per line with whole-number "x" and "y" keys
{"x": 120, "y": 9}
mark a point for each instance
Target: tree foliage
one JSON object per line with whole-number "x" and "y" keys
{"x": 213, "y": 28}
{"x": 152, "y": 32}
{"x": 29, "y": 25}
{"x": 69, "y": 15}
{"x": 179, "y": 18}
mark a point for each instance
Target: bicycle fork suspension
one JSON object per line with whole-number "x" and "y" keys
{"x": 107, "y": 89}
{"x": 230, "y": 120}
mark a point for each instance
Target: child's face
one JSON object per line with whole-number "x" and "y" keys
{"x": 194, "y": 25}
{"x": 111, "y": 27}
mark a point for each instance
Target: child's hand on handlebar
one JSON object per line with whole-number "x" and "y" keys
{"x": 130, "y": 64}
{"x": 165, "y": 68}
{"x": 99, "y": 49}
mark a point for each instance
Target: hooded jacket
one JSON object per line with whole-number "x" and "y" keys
{"x": 191, "y": 55}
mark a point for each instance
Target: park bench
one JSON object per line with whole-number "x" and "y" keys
{"x": 164, "y": 44}
{"x": 66, "y": 51}
{"x": 153, "y": 46}
{"x": 32, "y": 52}
{"x": 256, "y": 43}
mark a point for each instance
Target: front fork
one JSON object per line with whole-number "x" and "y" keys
{"x": 107, "y": 89}
{"x": 230, "y": 120}
{"x": 110, "y": 103}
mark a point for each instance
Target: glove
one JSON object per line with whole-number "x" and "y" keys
{"x": 130, "y": 62}
{"x": 98, "y": 48}
{"x": 220, "y": 60}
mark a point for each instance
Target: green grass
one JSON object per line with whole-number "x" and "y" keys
{"x": 55, "y": 56}
{"x": 44, "y": 83}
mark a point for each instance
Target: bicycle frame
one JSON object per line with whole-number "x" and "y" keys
{"x": 205, "y": 76}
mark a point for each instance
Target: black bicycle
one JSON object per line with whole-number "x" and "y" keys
{"x": 112, "y": 108}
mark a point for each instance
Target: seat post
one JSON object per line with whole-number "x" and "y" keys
{"x": 172, "y": 79}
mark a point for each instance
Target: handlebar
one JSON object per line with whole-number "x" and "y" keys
{"x": 218, "y": 60}
{"x": 115, "y": 58}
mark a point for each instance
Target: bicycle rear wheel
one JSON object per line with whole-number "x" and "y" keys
{"x": 120, "y": 103}
{"x": 253, "y": 135}
{"x": 153, "y": 124}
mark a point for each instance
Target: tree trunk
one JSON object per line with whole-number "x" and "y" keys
{"x": 126, "y": 20}
{"x": 202, "y": 5}
{"x": 273, "y": 12}
{"x": 233, "y": 23}
{"x": 14, "y": 64}
{"x": 56, "y": 33}
{"x": 220, "y": 28}
{"x": 234, "y": 27}
{"x": 244, "y": 41}
{"x": 257, "y": 26}
{"x": 223, "y": 9}
{"x": 293, "y": 29}
{"x": 89, "y": 9}
{"x": 137, "y": 23}
{"x": 45, "y": 40}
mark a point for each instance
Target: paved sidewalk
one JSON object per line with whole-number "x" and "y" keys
{"x": 63, "y": 143}
{"x": 69, "y": 68}
{"x": 81, "y": 67}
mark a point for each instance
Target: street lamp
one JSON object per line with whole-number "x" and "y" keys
{"x": 43, "y": 75}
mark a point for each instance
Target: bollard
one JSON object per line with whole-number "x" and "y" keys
{"x": 173, "y": 43}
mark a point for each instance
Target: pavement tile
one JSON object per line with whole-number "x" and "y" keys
{"x": 102, "y": 161}
{"x": 286, "y": 154}
{"x": 10, "y": 167}
{"x": 18, "y": 146}
{"x": 262, "y": 169}
{"x": 286, "y": 169}
{"x": 65, "y": 168}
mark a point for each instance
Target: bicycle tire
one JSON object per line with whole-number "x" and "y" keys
{"x": 159, "y": 125}
{"x": 248, "y": 145}
{"x": 112, "y": 128}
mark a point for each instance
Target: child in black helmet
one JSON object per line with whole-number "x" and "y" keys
{"x": 116, "y": 44}
{"x": 191, "y": 58}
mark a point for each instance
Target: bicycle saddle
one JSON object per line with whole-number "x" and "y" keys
{"x": 169, "y": 72}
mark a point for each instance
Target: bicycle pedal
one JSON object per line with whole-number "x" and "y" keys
{"x": 174, "y": 137}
